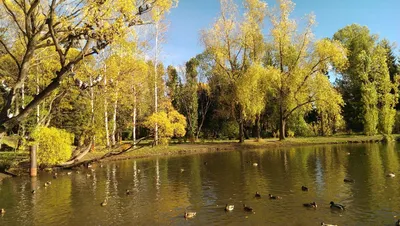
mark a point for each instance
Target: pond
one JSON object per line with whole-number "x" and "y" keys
{"x": 161, "y": 189}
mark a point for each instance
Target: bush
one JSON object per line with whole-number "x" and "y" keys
{"x": 169, "y": 124}
{"x": 54, "y": 145}
{"x": 230, "y": 129}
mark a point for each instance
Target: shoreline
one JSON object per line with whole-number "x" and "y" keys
{"x": 176, "y": 149}
{"x": 209, "y": 147}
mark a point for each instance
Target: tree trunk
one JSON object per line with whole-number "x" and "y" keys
{"x": 282, "y": 124}
{"x": 241, "y": 124}
{"x": 114, "y": 129}
{"x": 155, "y": 86}
{"x": 258, "y": 128}
{"x": 105, "y": 110}
{"x": 92, "y": 112}
{"x": 37, "y": 92}
{"x": 134, "y": 117}
{"x": 322, "y": 125}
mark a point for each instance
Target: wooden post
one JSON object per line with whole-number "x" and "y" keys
{"x": 33, "y": 170}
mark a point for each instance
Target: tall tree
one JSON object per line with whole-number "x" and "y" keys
{"x": 356, "y": 39}
{"x": 300, "y": 65}
{"x": 227, "y": 42}
{"x": 189, "y": 98}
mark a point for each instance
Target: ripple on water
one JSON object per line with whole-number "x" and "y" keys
{"x": 160, "y": 191}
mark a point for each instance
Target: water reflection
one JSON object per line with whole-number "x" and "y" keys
{"x": 161, "y": 191}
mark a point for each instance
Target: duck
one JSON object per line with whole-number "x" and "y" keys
{"x": 47, "y": 183}
{"x": 55, "y": 176}
{"x": 336, "y": 206}
{"x": 310, "y": 205}
{"x": 189, "y": 214}
{"x": 104, "y": 203}
{"x": 128, "y": 192}
{"x": 2, "y": 211}
{"x": 304, "y": 188}
{"x": 323, "y": 224}
{"x": 391, "y": 174}
{"x": 69, "y": 173}
{"x": 247, "y": 208}
{"x": 348, "y": 180}
{"x": 255, "y": 164}
{"x": 229, "y": 207}
{"x": 33, "y": 191}
{"x": 205, "y": 163}
{"x": 257, "y": 195}
{"x": 182, "y": 170}
{"x": 398, "y": 222}
{"x": 274, "y": 197}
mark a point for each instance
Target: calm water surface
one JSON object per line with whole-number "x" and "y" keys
{"x": 160, "y": 192}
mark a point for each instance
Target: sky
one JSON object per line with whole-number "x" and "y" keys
{"x": 191, "y": 16}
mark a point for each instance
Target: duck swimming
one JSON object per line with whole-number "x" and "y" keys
{"x": 391, "y": 175}
{"x": 323, "y": 224}
{"x": 304, "y": 188}
{"x": 229, "y": 207}
{"x": 257, "y": 195}
{"x": 336, "y": 206}
{"x": 348, "y": 180}
{"x": 247, "y": 208}
{"x": 104, "y": 203}
{"x": 2, "y": 211}
{"x": 398, "y": 222}
{"x": 274, "y": 197}
{"x": 310, "y": 205}
{"x": 189, "y": 214}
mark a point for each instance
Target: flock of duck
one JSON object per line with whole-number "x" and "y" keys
{"x": 230, "y": 207}
{"x": 333, "y": 205}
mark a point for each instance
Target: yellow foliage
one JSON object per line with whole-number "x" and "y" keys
{"x": 170, "y": 123}
{"x": 54, "y": 145}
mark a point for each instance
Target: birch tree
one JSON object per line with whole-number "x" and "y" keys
{"x": 62, "y": 25}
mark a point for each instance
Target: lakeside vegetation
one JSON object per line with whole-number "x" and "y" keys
{"x": 87, "y": 83}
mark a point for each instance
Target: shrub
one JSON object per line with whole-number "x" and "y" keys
{"x": 169, "y": 124}
{"x": 230, "y": 129}
{"x": 54, "y": 145}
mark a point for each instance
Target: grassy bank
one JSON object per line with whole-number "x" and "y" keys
{"x": 12, "y": 159}
{"x": 225, "y": 145}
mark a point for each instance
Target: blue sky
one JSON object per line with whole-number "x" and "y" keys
{"x": 182, "y": 40}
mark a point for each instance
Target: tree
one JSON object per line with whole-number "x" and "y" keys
{"x": 227, "y": 42}
{"x": 172, "y": 83}
{"x": 300, "y": 65}
{"x": 377, "y": 92}
{"x": 189, "y": 99}
{"x": 170, "y": 123}
{"x": 369, "y": 85}
{"x": 356, "y": 39}
{"x": 88, "y": 27}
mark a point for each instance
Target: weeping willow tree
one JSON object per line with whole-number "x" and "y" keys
{"x": 234, "y": 44}
{"x": 299, "y": 64}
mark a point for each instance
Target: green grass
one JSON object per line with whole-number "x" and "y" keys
{"x": 12, "y": 159}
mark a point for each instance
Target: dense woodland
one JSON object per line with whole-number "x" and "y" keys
{"x": 90, "y": 72}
